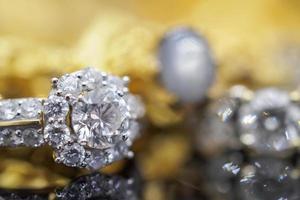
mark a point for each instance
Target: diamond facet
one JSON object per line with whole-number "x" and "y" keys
{"x": 31, "y": 108}
{"x": 8, "y": 109}
{"x": 136, "y": 107}
{"x": 57, "y": 135}
{"x": 32, "y": 138}
{"x": 8, "y": 137}
{"x": 91, "y": 78}
{"x": 116, "y": 83}
{"x": 56, "y": 106}
{"x": 72, "y": 155}
{"x": 97, "y": 159}
{"x": 99, "y": 116}
{"x": 132, "y": 131}
{"x": 69, "y": 84}
{"x": 20, "y": 109}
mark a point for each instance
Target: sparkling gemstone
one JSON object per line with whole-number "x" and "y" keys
{"x": 187, "y": 66}
{"x": 56, "y": 106}
{"x": 115, "y": 82}
{"x": 136, "y": 106}
{"x": 97, "y": 118}
{"x": 269, "y": 178}
{"x": 69, "y": 84}
{"x": 57, "y": 135}
{"x": 32, "y": 137}
{"x": 8, "y": 109}
{"x": 269, "y": 122}
{"x": 101, "y": 158}
{"x": 112, "y": 154}
{"x": 91, "y": 78}
{"x": 8, "y": 137}
{"x": 131, "y": 131}
{"x": 5, "y": 137}
{"x": 117, "y": 152}
{"x": 72, "y": 155}
{"x": 97, "y": 159}
{"x": 31, "y": 108}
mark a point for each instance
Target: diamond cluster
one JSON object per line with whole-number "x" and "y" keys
{"x": 269, "y": 122}
{"x": 90, "y": 118}
{"x": 21, "y": 109}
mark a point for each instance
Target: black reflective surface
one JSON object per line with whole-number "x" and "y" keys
{"x": 94, "y": 186}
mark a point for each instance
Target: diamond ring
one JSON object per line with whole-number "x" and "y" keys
{"x": 90, "y": 119}
{"x": 265, "y": 121}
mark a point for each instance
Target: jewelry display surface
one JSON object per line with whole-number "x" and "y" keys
{"x": 198, "y": 140}
{"x": 92, "y": 186}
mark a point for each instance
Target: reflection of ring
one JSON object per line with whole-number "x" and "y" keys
{"x": 91, "y": 186}
{"x": 89, "y": 118}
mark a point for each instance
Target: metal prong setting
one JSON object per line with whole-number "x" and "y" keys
{"x": 25, "y": 122}
{"x": 126, "y": 80}
{"x": 54, "y": 82}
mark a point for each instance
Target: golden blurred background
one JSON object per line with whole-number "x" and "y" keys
{"x": 255, "y": 42}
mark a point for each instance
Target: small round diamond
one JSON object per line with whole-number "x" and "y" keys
{"x": 100, "y": 158}
{"x": 31, "y": 108}
{"x": 57, "y": 135}
{"x": 5, "y": 137}
{"x": 136, "y": 107}
{"x": 131, "y": 131}
{"x": 32, "y": 138}
{"x": 116, "y": 83}
{"x": 91, "y": 78}
{"x": 97, "y": 159}
{"x": 8, "y": 110}
{"x": 8, "y": 137}
{"x": 72, "y": 155}
{"x": 69, "y": 84}
{"x": 56, "y": 106}
{"x": 98, "y": 117}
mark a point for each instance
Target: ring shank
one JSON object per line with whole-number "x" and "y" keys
{"x": 21, "y": 122}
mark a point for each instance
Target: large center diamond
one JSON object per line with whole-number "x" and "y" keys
{"x": 98, "y": 117}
